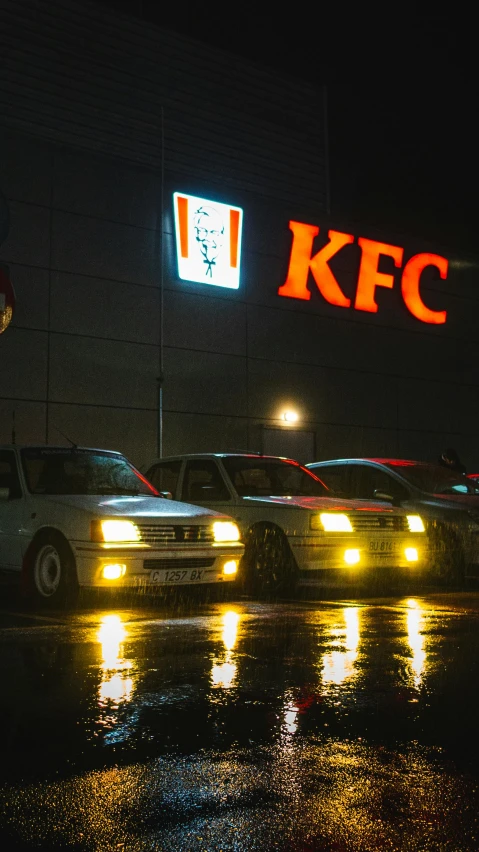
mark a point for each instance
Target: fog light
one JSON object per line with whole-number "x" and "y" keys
{"x": 411, "y": 554}
{"x": 351, "y": 557}
{"x": 113, "y": 572}
{"x": 230, "y": 567}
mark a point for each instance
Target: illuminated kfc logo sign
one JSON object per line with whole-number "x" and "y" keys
{"x": 208, "y": 241}
{"x": 303, "y": 260}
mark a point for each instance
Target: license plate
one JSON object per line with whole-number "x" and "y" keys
{"x": 380, "y": 546}
{"x": 177, "y": 576}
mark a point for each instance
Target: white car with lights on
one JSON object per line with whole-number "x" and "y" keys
{"x": 74, "y": 517}
{"x": 294, "y": 530}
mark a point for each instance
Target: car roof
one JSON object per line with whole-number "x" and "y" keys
{"x": 224, "y": 456}
{"x": 392, "y": 462}
{"x": 57, "y": 447}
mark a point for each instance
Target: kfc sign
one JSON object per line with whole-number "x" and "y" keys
{"x": 208, "y": 241}
{"x": 303, "y": 260}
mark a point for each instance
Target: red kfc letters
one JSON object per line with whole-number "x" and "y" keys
{"x": 303, "y": 261}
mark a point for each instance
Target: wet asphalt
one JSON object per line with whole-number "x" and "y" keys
{"x": 340, "y": 724}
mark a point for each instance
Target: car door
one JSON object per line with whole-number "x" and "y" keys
{"x": 11, "y": 513}
{"x": 368, "y": 482}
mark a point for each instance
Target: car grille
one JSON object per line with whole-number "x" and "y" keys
{"x": 366, "y": 521}
{"x": 149, "y": 564}
{"x": 175, "y": 533}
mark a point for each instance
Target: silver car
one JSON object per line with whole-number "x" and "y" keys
{"x": 448, "y": 502}
{"x": 294, "y": 529}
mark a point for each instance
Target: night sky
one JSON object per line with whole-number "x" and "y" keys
{"x": 402, "y": 96}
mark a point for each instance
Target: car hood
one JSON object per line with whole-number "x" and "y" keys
{"x": 140, "y": 506}
{"x": 331, "y": 504}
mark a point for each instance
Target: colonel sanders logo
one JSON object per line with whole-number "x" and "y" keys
{"x": 208, "y": 241}
{"x": 210, "y": 231}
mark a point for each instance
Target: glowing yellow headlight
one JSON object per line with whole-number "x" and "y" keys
{"x": 335, "y": 523}
{"x": 112, "y": 531}
{"x": 411, "y": 554}
{"x": 225, "y": 531}
{"x": 415, "y": 523}
{"x": 230, "y": 567}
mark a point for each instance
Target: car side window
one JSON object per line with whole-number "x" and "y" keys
{"x": 335, "y": 477}
{"x": 203, "y": 482}
{"x": 371, "y": 479}
{"x": 164, "y": 476}
{"x": 9, "y": 474}
{"x": 250, "y": 481}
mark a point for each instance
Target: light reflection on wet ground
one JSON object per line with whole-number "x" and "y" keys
{"x": 347, "y": 725}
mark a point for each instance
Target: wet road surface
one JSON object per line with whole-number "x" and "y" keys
{"x": 334, "y": 725}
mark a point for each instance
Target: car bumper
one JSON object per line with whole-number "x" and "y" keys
{"x": 356, "y": 554}
{"x": 157, "y": 567}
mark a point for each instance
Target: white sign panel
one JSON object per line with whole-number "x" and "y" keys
{"x": 208, "y": 241}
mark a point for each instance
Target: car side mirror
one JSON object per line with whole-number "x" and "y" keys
{"x": 4, "y": 493}
{"x": 167, "y": 495}
{"x": 381, "y": 495}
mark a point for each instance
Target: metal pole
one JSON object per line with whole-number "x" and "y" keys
{"x": 161, "y": 329}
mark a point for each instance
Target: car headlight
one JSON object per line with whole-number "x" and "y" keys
{"x": 415, "y": 523}
{"x": 112, "y": 531}
{"x": 225, "y": 531}
{"x": 331, "y": 522}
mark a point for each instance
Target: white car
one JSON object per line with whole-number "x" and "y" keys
{"x": 73, "y": 517}
{"x": 293, "y": 529}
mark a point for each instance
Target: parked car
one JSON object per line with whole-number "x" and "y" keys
{"x": 293, "y": 528}
{"x": 73, "y": 517}
{"x": 448, "y": 501}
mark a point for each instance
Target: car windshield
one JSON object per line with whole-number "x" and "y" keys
{"x": 435, "y": 479}
{"x": 265, "y": 477}
{"x": 59, "y": 470}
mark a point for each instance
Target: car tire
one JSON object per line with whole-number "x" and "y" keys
{"x": 52, "y": 577}
{"x": 448, "y": 567}
{"x": 269, "y": 568}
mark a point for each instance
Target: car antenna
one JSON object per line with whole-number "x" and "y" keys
{"x": 74, "y": 446}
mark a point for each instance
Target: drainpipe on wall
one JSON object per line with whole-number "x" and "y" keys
{"x": 159, "y": 448}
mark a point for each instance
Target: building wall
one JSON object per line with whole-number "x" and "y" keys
{"x": 81, "y": 359}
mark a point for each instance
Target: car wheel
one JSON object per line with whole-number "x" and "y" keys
{"x": 52, "y": 572}
{"x": 448, "y": 566}
{"x": 268, "y": 564}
